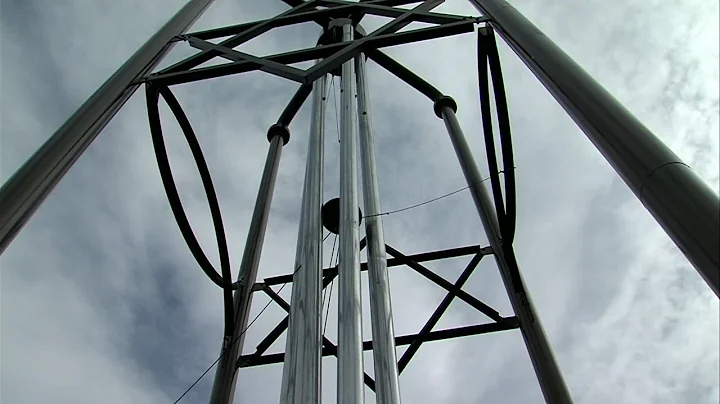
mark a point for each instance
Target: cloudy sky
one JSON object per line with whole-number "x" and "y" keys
{"x": 102, "y": 301}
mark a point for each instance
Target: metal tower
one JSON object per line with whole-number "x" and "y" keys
{"x": 683, "y": 205}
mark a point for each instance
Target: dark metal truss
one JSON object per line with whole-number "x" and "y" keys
{"x": 426, "y": 334}
{"x": 332, "y": 55}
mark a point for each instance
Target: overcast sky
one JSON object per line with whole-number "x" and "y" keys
{"x": 103, "y": 303}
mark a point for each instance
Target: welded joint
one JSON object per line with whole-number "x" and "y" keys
{"x": 487, "y": 250}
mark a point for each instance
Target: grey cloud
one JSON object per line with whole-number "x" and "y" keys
{"x": 629, "y": 319}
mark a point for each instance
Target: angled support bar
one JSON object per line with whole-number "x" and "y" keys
{"x": 22, "y": 194}
{"x": 405, "y": 74}
{"x": 327, "y": 344}
{"x": 686, "y": 208}
{"x": 232, "y": 42}
{"x": 167, "y": 78}
{"x": 461, "y": 294}
{"x": 435, "y": 317}
{"x": 321, "y": 16}
{"x": 546, "y": 368}
{"x": 224, "y": 384}
{"x": 273, "y": 335}
{"x": 268, "y": 66}
{"x": 354, "y": 48}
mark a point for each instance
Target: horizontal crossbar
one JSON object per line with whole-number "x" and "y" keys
{"x": 318, "y": 52}
{"x": 392, "y": 262}
{"x": 504, "y": 325}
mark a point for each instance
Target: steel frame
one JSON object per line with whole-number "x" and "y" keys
{"x": 651, "y": 170}
{"x": 426, "y": 334}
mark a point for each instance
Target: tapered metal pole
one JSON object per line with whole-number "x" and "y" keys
{"x": 548, "y": 373}
{"x": 303, "y": 346}
{"x": 686, "y": 207}
{"x": 350, "y": 345}
{"x": 223, "y": 390}
{"x": 387, "y": 387}
{"x": 22, "y": 194}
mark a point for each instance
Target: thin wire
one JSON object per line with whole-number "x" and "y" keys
{"x": 331, "y": 255}
{"x": 337, "y": 117}
{"x": 232, "y": 343}
{"x": 332, "y": 283}
{"x": 390, "y": 212}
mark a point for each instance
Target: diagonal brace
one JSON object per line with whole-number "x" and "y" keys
{"x": 168, "y": 78}
{"x": 464, "y": 296}
{"x": 435, "y": 317}
{"x": 266, "y": 65}
{"x": 275, "y": 333}
{"x": 234, "y": 41}
{"x": 350, "y": 51}
{"x": 326, "y": 342}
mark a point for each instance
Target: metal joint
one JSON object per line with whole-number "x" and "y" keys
{"x": 444, "y": 101}
{"x": 279, "y": 130}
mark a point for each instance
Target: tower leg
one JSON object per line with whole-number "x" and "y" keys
{"x": 23, "y": 193}
{"x": 223, "y": 390}
{"x": 548, "y": 373}
{"x": 686, "y": 208}
{"x": 387, "y": 387}
{"x": 303, "y": 348}
{"x": 350, "y": 344}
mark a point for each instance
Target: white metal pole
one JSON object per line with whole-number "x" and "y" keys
{"x": 303, "y": 351}
{"x": 387, "y": 387}
{"x": 350, "y": 344}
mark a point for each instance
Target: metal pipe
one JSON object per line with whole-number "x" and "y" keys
{"x": 686, "y": 208}
{"x": 302, "y": 367}
{"x": 22, "y": 194}
{"x": 350, "y": 350}
{"x": 387, "y": 387}
{"x": 223, "y": 390}
{"x": 548, "y": 373}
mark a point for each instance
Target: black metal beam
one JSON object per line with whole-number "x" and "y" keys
{"x": 393, "y": 12}
{"x": 393, "y": 262}
{"x": 234, "y": 41}
{"x": 435, "y": 317}
{"x": 338, "y": 58}
{"x": 509, "y": 323}
{"x": 269, "y": 339}
{"x": 327, "y": 344}
{"x": 404, "y": 74}
{"x": 294, "y": 105}
{"x": 461, "y": 294}
{"x": 318, "y": 52}
{"x": 318, "y": 15}
{"x": 268, "y": 66}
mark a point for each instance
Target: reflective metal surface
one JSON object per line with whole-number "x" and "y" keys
{"x": 350, "y": 344}
{"x": 551, "y": 381}
{"x": 22, "y": 194}
{"x": 303, "y": 347}
{"x": 226, "y": 375}
{"x": 677, "y": 198}
{"x": 387, "y": 388}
